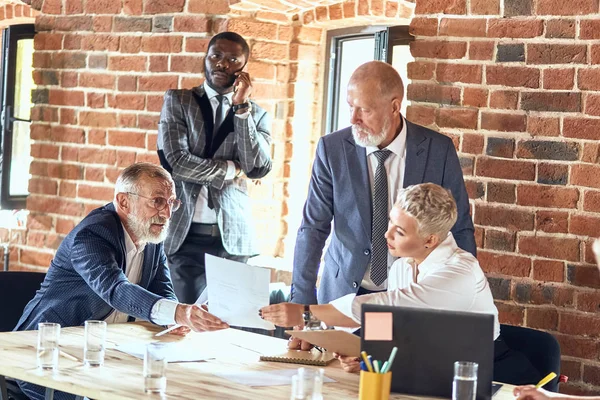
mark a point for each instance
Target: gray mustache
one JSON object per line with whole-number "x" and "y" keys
{"x": 158, "y": 220}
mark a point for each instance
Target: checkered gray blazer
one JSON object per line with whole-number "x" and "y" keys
{"x": 181, "y": 137}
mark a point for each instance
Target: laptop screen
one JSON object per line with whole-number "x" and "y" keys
{"x": 429, "y": 342}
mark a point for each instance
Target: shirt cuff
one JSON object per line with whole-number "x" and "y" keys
{"x": 163, "y": 312}
{"x": 243, "y": 115}
{"x": 346, "y": 306}
{"x": 230, "y": 174}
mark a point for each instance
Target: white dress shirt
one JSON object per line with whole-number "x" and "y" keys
{"x": 394, "y": 166}
{"x": 448, "y": 279}
{"x": 203, "y": 213}
{"x": 163, "y": 311}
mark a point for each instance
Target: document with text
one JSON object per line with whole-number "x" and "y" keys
{"x": 236, "y": 291}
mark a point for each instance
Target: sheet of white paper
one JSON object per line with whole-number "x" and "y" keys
{"x": 236, "y": 291}
{"x": 276, "y": 377}
{"x": 176, "y": 352}
{"x": 203, "y": 298}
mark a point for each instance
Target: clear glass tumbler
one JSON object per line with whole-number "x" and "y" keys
{"x": 464, "y": 386}
{"x": 95, "y": 341}
{"x": 47, "y": 346}
{"x": 155, "y": 368}
{"x": 307, "y": 384}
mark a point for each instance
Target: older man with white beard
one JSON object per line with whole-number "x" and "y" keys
{"x": 112, "y": 266}
{"x": 356, "y": 176}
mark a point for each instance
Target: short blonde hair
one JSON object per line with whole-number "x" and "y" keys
{"x": 431, "y": 205}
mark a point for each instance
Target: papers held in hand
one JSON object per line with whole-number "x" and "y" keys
{"x": 236, "y": 291}
{"x": 333, "y": 340}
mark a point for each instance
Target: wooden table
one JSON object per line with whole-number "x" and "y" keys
{"x": 121, "y": 376}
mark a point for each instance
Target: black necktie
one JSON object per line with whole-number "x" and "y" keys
{"x": 217, "y": 124}
{"x": 379, "y": 250}
{"x": 218, "y": 114}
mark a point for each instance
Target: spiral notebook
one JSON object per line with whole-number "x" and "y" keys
{"x": 312, "y": 357}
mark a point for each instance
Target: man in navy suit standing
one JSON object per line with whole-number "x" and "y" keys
{"x": 356, "y": 175}
{"x": 112, "y": 266}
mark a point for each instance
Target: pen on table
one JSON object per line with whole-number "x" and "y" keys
{"x": 545, "y": 380}
{"x": 319, "y": 348}
{"x": 366, "y": 360}
{"x": 67, "y": 355}
{"x": 391, "y": 359}
{"x": 168, "y": 330}
{"x": 62, "y": 353}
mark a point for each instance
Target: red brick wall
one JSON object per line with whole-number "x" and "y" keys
{"x": 15, "y": 13}
{"x": 515, "y": 84}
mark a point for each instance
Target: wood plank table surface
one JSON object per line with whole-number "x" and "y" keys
{"x": 121, "y": 376}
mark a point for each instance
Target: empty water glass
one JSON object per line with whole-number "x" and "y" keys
{"x": 95, "y": 339}
{"x": 464, "y": 386}
{"x": 307, "y": 384}
{"x": 155, "y": 368}
{"x": 47, "y": 345}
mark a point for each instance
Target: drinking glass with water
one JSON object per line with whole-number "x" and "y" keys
{"x": 47, "y": 345}
{"x": 307, "y": 384}
{"x": 95, "y": 339}
{"x": 155, "y": 368}
{"x": 464, "y": 386}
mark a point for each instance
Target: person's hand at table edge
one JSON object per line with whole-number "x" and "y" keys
{"x": 349, "y": 364}
{"x": 530, "y": 392}
{"x": 299, "y": 344}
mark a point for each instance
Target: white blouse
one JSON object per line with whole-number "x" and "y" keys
{"x": 448, "y": 279}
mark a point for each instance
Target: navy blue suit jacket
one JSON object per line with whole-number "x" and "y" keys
{"x": 340, "y": 190}
{"x": 86, "y": 279}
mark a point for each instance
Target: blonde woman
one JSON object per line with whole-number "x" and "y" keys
{"x": 432, "y": 272}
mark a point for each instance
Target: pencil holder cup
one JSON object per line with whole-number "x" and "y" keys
{"x": 374, "y": 386}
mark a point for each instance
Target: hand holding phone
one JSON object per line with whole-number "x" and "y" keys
{"x": 242, "y": 88}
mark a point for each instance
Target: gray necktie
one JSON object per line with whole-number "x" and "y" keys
{"x": 379, "y": 250}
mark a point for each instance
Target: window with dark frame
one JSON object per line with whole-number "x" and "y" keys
{"x": 15, "y": 143}
{"x": 346, "y": 50}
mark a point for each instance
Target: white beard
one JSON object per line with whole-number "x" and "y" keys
{"x": 371, "y": 139}
{"x": 141, "y": 229}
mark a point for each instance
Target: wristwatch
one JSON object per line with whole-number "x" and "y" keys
{"x": 241, "y": 106}
{"x": 310, "y": 321}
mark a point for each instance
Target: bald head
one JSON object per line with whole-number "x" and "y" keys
{"x": 381, "y": 77}
{"x": 375, "y": 93}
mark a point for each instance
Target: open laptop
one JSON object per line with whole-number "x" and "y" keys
{"x": 429, "y": 342}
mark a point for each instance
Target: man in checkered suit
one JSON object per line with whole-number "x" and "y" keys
{"x": 208, "y": 138}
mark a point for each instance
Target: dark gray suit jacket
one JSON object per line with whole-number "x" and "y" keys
{"x": 181, "y": 135}
{"x": 86, "y": 279}
{"x": 340, "y": 190}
